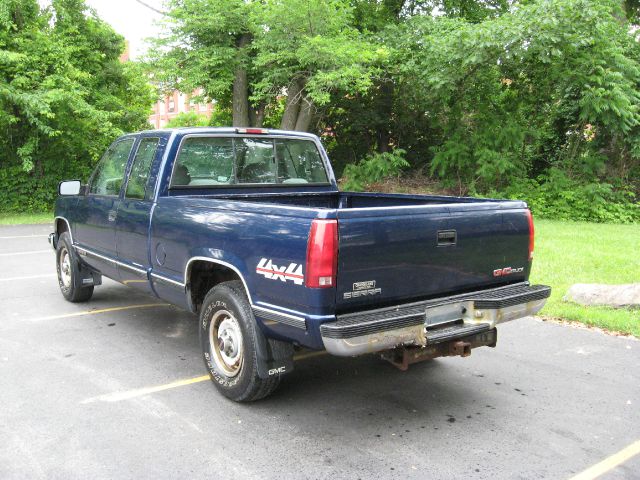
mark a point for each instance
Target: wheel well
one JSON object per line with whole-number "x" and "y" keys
{"x": 202, "y": 277}
{"x": 61, "y": 227}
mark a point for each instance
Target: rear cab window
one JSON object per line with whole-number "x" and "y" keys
{"x": 208, "y": 161}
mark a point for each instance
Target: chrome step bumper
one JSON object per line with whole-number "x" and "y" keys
{"x": 432, "y": 321}
{"x": 53, "y": 240}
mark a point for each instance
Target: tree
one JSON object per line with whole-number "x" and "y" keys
{"x": 482, "y": 94}
{"x": 253, "y": 55}
{"x": 502, "y": 89}
{"x": 64, "y": 97}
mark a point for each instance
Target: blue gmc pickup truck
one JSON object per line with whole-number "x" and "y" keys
{"x": 247, "y": 229}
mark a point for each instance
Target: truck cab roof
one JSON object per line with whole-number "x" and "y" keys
{"x": 232, "y": 131}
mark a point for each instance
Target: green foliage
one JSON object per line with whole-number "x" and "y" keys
{"x": 261, "y": 49}
{"x": 536, "y": 99}
{"x": 555, "y": 195}
{"x": 200, "y": 48}
{"x": 315, "y": 41}
{"x": 374, "y": 168}
{"x": 498, "y": 88}
{"x": 489, "y": 95}
{"x": 188, "y": 119}
{"x": 220, "y": 117}
{"x": 64, "y": 96}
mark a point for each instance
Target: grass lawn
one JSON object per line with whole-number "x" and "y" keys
{"x": 580, "y": 252}
{"x": 25, "y": 218}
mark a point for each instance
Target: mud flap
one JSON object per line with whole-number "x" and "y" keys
{"x": 274, "y": 356}
{"x": 88, "y": 276}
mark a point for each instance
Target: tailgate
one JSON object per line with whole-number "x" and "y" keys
{"x": 394, "y": 254}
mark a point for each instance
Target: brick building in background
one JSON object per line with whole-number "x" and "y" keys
{"x": 174, "y": 104}
{"x": 126, "y": 55}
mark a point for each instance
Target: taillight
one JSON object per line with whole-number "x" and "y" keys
{"x": 531, "y": 234}
{"x": 322, "y": 254}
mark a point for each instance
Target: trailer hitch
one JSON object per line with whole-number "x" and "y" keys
{"x": 402, "y": 357}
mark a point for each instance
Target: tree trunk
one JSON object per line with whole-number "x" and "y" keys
{"x": 383, "y": 140}
{"x": 292, "y": 105}
{"x": 385, "y": 106}
{"x": 240, "y": 98}
{"x": 304, "y": 115}
{"x": 241, "y": 88}
{"x": 256, "y": 115}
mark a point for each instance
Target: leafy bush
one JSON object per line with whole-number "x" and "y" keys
{"x": 64, "y": 97}
{"x": 373, "y": 168}
{"x": 557, "y": 196}
{"x": 188, "y": 119}
{"x": 26, "y": 194}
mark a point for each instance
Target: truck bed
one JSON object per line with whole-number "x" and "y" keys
{"x": 339, "y": 200}
{"x": 406, "y": 247}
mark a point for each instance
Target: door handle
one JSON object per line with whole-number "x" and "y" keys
{"x": 447, "y": 238}
{"x": 112, "y": 215}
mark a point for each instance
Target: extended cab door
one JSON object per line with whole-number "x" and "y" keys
{"x": 96, "y": 216}
{"x": 134, "y": 215}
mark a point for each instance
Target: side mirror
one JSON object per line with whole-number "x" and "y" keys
{"x": 70, "y": 187}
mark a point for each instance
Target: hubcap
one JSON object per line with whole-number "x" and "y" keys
{"x": 65, "y": 268}
{"x": 225, "y": 338}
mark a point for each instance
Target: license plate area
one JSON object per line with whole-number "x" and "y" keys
{"x": 447, "y": 313}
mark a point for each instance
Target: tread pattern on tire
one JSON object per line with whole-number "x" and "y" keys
{"x": 77, "y": 292}
{"x": 257, "y": 388}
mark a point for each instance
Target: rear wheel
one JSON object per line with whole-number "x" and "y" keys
{"x": 228, "y": 341}
{"x": 69, "y": 276}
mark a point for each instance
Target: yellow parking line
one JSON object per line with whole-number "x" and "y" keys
{"x": 140, "y": 392}
{"x": 103, "y": 310}
{"x": 302, "y": 356}
{"x": 609, "y": 463}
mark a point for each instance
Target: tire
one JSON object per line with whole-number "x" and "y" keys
{"x": 228, "y": 338}
{"x": 69, "y": 276}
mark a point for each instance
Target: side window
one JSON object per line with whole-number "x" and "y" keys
{"x": 204, "y": 161}
{"x": 137, "y": 184}
{"x": 108, "y": 176}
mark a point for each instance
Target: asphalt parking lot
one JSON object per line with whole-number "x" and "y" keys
{"x": 114, "y": 388}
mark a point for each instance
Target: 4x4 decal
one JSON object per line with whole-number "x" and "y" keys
{"x": 272, "y": 271}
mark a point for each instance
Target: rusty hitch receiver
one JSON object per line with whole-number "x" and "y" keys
{"x": 402, "y": 357}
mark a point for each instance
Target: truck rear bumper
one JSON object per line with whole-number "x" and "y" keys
{"x": 433, "y": 321}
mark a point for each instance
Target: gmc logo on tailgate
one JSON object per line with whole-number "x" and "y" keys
{"x": 501, "y": 272}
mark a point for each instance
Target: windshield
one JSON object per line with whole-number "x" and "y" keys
{"x": 213, "y": 161}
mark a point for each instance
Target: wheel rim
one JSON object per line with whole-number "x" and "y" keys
{"x": 225, "y": 338}
{"x": 65, "y": 268}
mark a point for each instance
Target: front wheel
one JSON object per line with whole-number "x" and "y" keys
{"x": 69, "y": 276}
{"x": 228, "y": 341}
